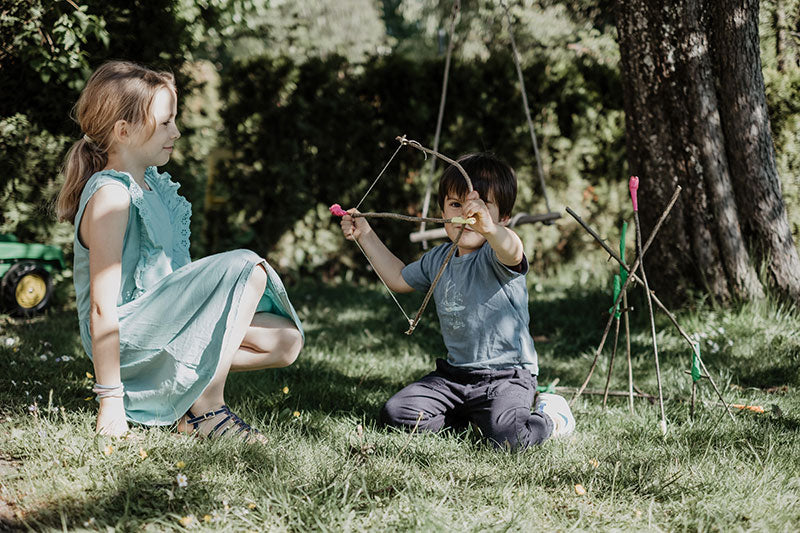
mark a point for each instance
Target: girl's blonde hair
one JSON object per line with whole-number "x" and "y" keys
{"x": 118, "y": 90}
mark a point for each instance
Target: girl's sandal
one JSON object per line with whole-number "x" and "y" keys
{"x": 230, "y": 420}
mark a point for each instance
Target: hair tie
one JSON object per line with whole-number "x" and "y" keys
{"x": 88, "y": 139}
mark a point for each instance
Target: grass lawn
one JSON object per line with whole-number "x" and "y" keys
{"x": 329, "y": 467}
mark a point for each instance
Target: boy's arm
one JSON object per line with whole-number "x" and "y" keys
{"x": 506, "y": 244}
{"x": 388, "y": 266}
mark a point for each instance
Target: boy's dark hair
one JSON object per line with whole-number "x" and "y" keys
{"x": 488, "y": 173}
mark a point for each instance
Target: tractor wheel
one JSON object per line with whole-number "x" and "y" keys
{"x": 26, "y": 289}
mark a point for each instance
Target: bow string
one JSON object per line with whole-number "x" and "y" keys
{"x": 338, "y": 211}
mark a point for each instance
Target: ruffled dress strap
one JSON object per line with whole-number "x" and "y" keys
{"x": 180, "y": 212}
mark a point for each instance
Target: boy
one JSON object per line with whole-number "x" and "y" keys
{"x": 489, "y": 377}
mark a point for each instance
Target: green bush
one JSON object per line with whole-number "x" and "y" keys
{"x": 29, "y": 163}
{"x": 309, "y": 135}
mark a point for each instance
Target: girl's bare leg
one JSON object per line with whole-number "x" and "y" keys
{"x": 271, "y": 341}
{"x": 213, "y": 397}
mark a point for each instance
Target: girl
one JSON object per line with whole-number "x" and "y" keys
{"x": 163, "y": 332}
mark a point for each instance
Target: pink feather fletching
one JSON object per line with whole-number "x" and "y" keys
{"x": 337, "y": 210}
{"x": 633, "y": 186}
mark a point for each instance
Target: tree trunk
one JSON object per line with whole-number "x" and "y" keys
{"x": 745, "y": 119}
{"x": 683, "y": 118}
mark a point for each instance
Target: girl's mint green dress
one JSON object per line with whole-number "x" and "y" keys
{"x": 174, "y": 313}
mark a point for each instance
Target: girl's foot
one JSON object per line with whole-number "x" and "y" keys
{"x": 217, "y": 423}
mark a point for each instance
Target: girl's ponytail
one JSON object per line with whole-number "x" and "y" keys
{"x": 83, "y": 159}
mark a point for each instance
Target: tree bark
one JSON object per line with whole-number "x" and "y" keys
{"x": 679, "y": 126}
{"x": 745, "y": 119}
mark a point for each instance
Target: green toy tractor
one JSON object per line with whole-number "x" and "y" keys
{"x": 26, "y": 270}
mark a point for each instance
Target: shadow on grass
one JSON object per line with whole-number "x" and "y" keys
{"x": 360, "y": 321}
{"x": 572, "y": 324}
{"x": 778, "y": 364}
{"x": 313, "y": 386}
{"x": 125, "y": 498}
{"x": 347, "y": 314}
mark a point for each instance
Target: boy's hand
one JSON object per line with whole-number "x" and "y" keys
{"x": 475, "y": 207}
{"x": 354, "y": 228}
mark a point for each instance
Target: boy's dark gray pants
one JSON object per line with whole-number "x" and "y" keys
{"x": 497, "y": 401}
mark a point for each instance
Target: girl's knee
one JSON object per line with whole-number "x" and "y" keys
{"x": 258, "y": 280}
{"x": 290, "y": 343}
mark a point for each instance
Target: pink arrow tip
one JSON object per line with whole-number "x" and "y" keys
{"x": 633, "y": 186}
{"x": 337, "y": 210}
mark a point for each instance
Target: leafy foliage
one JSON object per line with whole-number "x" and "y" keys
{"x": 48, "y": 38}
{"x": 29, "y": 158}
{"x": 228, "y": 30}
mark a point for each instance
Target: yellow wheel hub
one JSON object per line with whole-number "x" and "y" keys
{"x": 31, "y": 290}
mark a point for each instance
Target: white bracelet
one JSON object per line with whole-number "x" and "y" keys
{"x": 108, "y": 391}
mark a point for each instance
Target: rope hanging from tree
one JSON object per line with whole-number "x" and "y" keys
{"x": 442, "y": 100}
{"x": 520, "y": 218}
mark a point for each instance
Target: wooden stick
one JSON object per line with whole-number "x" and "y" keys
{"x": 607, "y": 248}
{"x": 658, "y": 302}
{"x": 526, "y": 106}
{"x": 435, "y": 281}
{"x": 524, "y": 218}
{"x": 611, "y": 363}
{"x": 631, "y": 271}
{"x": 628, "y": 351}
{"x": 406, "y": 218}
{"x": 652, "y": 321}
{"x": 633, "y": 186}
{"x": 414, "y": 144}
{"x": 598, "y": 392}
{"x": 627, "y": 281}
{"x": 689, "y": 340}
{"x": 650, "y": 397}
{"x": 594, "y": 361}
{"x": 442, "y": 99}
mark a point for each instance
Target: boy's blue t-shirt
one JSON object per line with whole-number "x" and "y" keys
{"x": 482, "y": 306}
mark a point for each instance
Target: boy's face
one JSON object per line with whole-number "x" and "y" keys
{"x": 471, "y": 240}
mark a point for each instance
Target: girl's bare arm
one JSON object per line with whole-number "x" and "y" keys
{"x": 102, "y": 230}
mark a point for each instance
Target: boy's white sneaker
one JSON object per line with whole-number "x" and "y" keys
{"x": 557, "y": 408}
